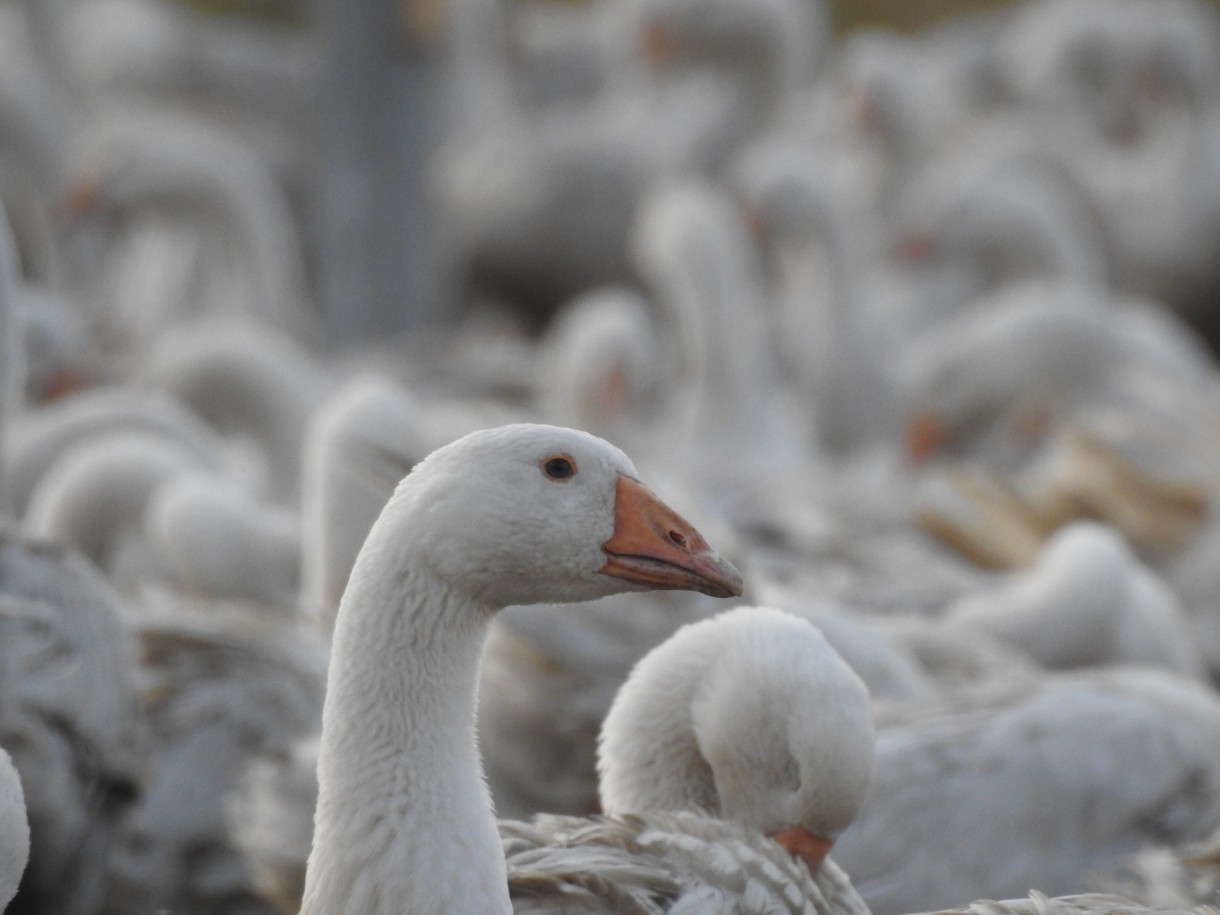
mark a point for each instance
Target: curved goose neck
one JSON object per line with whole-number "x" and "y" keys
{"x": 404, "y": 822}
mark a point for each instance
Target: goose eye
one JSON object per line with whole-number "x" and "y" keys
{"x": 559, "y": 467}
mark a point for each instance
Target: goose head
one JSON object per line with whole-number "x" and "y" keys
{"x": 528, "y": 514}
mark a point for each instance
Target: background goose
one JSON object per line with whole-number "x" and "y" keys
{"x": 360, "y": 441}
{"x": 221, "y": 684}
{"x": 250, "y": 381}
{"x": 1087, "y": 601}
{"x": 95, "y": 499}
{"x": 833, "y": 327}
{"x": 1052, "y": 777}
{"x": 541, "y": 208}
{"x": 212, "y": 538}
{"x": 1131, "y": 109}
{"x": 180, "y": 192}
{"x": 71, "y": 723}
{"x": 14, "y": 829}
{"x": 41, "y": 437}
{"x": 600, "y": 366}
{"x": 1058, "y": 351}
{"x": 1079, "y": 904}
{"x": 252, "y": 81}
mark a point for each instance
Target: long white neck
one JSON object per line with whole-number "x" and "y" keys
{"x": 404, "y": 821}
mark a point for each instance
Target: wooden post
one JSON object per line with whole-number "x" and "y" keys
{"x": 378, "y": 121}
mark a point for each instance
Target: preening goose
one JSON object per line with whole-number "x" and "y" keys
{"x": 519, "y": 514}
{"x": 751, "y": 716}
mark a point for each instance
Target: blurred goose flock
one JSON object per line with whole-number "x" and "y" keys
{"x": 919, "y": 329}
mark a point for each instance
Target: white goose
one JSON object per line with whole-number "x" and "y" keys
{"x": 196, "y": 224}
{"x": 361, "y": 440}
{"x": 213, "y": 538}
{"x": 41, "y": 438}
{"x": 1088, "y": 601}
{"x": 518, "y": 514}
{"x": 249, "y": 380}
{"x": 750, "y": 715}
{"x": 1050, "y": 778}
{"x": 1078, "y": 904}
{"x": 600, "y": 366}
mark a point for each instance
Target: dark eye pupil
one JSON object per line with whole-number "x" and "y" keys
{"x": 559, "y": 468}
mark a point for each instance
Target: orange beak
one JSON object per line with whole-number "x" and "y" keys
{"x": 660, "y": 45}
{"x": 927, "y": 435}
{"x": 653, "y": 546}
{"x": 915, "y": 249}
{"x": 62, "y": 383}
{"x": 801, "y": 843}
{"x": 83, "y": 198}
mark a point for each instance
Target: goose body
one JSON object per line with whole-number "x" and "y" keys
{"x": 1051, "y": 777}
{"x": 1077, "y": 904}
{"x": 665, "y": 862}
{"x": 211, "y": 537}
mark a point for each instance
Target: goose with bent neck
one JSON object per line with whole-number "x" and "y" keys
{"x": 750, "y": 715}
{"x": 519, "y": 514}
